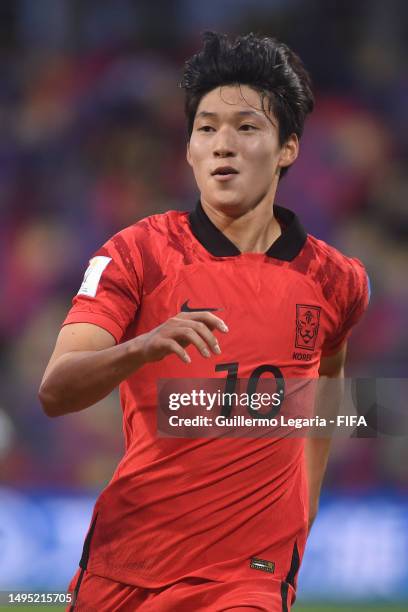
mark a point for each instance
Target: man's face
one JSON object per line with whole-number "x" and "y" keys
{"x": 234, "y": 149}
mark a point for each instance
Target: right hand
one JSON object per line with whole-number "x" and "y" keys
{"x": 180, "y": 331}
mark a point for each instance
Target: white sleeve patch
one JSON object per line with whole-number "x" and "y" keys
{"x": 93, "y": 275}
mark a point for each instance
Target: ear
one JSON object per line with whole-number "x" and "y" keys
{"x": 289, "y": 151}
{"x": 188, "y": 154}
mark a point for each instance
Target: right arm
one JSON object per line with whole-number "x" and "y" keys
{"x": 87, "y": 365}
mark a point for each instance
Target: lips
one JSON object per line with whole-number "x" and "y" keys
{"x": 224, "y": 171}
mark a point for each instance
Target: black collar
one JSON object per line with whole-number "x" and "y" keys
{"x": 285, "y": 248}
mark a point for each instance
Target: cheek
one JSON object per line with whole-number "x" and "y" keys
{"x": 199, "y": 165}
{"x": 197, "y": 150}
{"x": 261, "y": 154}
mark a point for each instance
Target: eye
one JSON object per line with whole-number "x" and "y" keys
{"x": 247, "y": 127}
{"x": 205, "y": 128}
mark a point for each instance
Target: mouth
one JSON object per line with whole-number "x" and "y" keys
{"x": 224, "y": 173}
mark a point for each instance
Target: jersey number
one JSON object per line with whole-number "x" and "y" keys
{"x": 231, "y": 384}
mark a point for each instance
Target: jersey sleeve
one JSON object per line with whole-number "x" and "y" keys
{"x": 356, "y": 298}
{"x": 111, "y": 290}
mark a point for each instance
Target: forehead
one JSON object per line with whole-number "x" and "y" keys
{"x": 232, "y": 99}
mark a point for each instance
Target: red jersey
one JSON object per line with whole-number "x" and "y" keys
{"x": 179, "y": 508}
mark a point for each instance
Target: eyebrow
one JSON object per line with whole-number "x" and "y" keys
{"x": 246, "y": 113}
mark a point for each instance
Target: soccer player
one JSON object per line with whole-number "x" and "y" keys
{"x": 234, "y": 288}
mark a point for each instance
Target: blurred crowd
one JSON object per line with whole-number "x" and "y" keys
{"x": 93, "y": 138}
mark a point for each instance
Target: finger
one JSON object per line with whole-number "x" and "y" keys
{"x": 172, "y": 346}
{"x": 208, "y": 318}
{"x": 189, "y": 336}
{"x": 208, "y": 337}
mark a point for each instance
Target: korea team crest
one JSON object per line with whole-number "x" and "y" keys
{"x": 307, "y": 326}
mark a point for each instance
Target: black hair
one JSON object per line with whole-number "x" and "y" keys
{"x": 263, "y": 63}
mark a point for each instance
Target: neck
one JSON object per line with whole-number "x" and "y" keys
{"x": 252, "y": 231}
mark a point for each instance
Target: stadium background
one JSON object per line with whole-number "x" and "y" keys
{"x": 93, "y": 139}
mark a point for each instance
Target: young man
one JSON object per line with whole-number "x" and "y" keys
{"x": 236, "y": 286}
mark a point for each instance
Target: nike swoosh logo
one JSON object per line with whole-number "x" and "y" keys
{"x": 186, "y": 308}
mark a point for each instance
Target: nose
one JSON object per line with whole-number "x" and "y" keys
{"x": 224, "y": 143}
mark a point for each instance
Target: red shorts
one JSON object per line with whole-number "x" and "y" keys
{"x": 97, "y": 594}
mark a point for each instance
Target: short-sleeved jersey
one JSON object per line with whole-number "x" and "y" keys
{"x": 178, "y": 508}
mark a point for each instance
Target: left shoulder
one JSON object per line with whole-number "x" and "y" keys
{"x": 342, "y": 280}
{"x": 328, "y": 257}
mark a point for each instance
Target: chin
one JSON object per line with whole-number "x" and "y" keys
{"x": 226, "y": 201}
